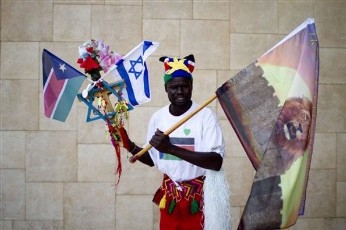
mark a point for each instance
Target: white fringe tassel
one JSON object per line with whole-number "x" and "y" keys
{"x": 217, "y": 208}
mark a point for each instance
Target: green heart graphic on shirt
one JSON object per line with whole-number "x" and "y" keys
{"x": 187, "y": 131}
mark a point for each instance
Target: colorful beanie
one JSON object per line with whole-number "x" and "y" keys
{"x": 176, "y": 67}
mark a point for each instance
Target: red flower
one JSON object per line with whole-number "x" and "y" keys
{"x": 88, "y": 64}
{"x": 80, "y": 60}
{"x": 90, "y": 50}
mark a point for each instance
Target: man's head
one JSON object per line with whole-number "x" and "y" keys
{"x": 179, "y": 91}
{"x": 178, "y": 80}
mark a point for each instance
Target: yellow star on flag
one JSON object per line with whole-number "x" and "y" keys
{"x": 177, "y": 65}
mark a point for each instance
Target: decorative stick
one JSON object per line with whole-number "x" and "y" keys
{"x": 135, "y": 157}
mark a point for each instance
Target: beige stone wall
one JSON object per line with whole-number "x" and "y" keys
{"x": 61, "y": 175}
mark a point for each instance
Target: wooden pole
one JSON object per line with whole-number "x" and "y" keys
{"x": 135, "y": 157}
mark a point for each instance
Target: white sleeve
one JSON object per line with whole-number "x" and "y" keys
{"x": 212, "y": 134}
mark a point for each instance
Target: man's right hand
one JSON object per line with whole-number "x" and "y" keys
{"x": 160, "y": 141}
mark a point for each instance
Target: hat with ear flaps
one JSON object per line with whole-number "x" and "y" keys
{"x": 176, "y": 67}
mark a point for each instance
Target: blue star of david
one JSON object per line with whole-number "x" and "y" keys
{"x": 133, "y": 64}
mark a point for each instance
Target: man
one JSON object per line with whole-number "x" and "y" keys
{"x": 186, "y": 154}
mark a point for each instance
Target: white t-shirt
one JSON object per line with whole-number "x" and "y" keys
{"x": 201, "y": 133}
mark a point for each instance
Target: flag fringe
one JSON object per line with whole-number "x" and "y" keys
{"x": 217, "y": 207}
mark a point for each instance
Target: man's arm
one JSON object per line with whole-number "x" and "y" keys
{"x": 133, "y": 148}
{"x": 145, "y": 158}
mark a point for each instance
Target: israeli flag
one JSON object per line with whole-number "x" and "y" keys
{"x": 133, "y": 70}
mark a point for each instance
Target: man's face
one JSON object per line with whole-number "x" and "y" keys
{"x": 179, "y": 91}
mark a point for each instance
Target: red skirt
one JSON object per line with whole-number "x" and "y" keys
{"x": 181, "y": 207}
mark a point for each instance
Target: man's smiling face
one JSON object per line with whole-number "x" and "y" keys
{"x": 179, "y": 91}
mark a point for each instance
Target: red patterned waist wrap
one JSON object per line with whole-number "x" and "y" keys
{"x": 170, "y": 193}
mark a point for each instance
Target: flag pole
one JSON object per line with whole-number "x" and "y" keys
{"x": 135, "y": 157}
